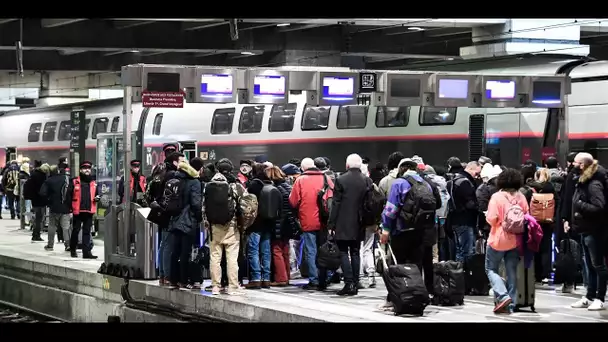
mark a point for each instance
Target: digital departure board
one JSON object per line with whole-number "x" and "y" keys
{"x": 216, "y": 85}
{"x": 269, "y": 85}
{"x": 338, "y": 88}
{"x": 546, "y": 92}
{"x": 405, "y": 87}
{"x": 500, "y": 89}
{"x": 451, "y": 88}
{"x": 163, "y": 82}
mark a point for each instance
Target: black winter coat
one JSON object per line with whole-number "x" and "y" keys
{"x": 465, "y": 199}
{"x": 285, "y": 226}
{"x": 565, "y": 205}
{"x": 259, "y": 225}
{"x": 58, "y": 190}
{"x": 589, "y": 201}
{"x": 32, "y": 190}
{"x": 189, "y": 219}
{"x": 484, "y": 193}
{"x": 345, "y": 216}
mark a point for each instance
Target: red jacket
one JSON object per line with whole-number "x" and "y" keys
{"x": 304, "y": 198}
{"x": 76, "y": 197}
{"x": 142, "y": 185}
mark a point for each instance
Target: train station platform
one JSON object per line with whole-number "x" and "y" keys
{"x": 69, "y": 288}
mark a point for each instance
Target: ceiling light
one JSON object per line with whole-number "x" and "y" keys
{"x": 247, "y": 53}
{"x": 134, "y": 51}
{"x": 283, "y": 24}
{"x": 450, "y": 58}
{"x": 415, "y": 28}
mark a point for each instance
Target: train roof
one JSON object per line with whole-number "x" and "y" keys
{"x": 67, "y": 106}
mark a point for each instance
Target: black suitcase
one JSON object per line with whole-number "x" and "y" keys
{"x": 449, "y": 283}
{"x": 406, "y": 290}
{"x": 526, "y": 287}
{"x": 476, "y": 279}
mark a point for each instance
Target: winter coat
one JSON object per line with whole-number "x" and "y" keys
{"x": 285, "y": 226}
{"x": 345, "y": 215}
{"x": 192, "y": 214}
{"x": 259, "y": 225}
{"x": 565, "y": 205}
{"x": 441, "y": 184}
{"x": 303, "y": 198}
{"x": 58, "y": 190}
{"x": 589, "y": 201}
{"x": 33, "y": 188}
{"x": 386, "y": 182}
{"x": 465, "y": 200}
{"x": 484, "y": 193}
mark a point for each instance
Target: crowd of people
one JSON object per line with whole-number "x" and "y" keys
{"x": 260, "y": 217}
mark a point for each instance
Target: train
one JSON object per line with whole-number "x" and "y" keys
{"x": 296, "y": 130}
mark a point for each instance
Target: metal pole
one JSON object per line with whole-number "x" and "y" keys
{"x": 563, "y": 145}
{"x": 126, "y": 134}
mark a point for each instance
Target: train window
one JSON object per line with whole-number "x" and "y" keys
{"x": 431, "y": 116}
{"x": 65, "y": 133}
{"x": 115, "y": 123}
{"x": 352, "y": 117}
{"x": 315, "y": 118}
{"x": 34, "y": 135}
{"x": 222, "y": 120}
{"x": 48, "y": 134}
{"x": 251, "y": 119}
{"x": 282, "y": 117}
{"x": 87, "y": 124}
{"x": 99, "y": 126}
{"x": 158, "y": 122}
{"x": 392, "y": 116}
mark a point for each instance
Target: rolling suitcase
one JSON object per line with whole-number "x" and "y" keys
{"x": 476, "y": 279}
{"x": 525, "y": 286}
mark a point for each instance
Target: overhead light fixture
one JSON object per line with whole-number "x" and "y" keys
{"x": 415, "y": 28}
{"x": 247, "y": 53}
{"x": 450, "y": 58}
{"x": 134, "y": 51}
{"x": 283, "y": 24}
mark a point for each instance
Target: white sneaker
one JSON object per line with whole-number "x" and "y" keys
{"x": 597, "y": 305}
{"x": 581, "y": 303}
{"x": 215, "y": 290}
{"x": 491, "y": 293}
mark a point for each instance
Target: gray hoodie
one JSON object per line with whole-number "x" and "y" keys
{"x": 386, "y": 182}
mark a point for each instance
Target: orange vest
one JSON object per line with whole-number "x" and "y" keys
{"x": 76, "y": 197}
{"x": 142, "y": 184}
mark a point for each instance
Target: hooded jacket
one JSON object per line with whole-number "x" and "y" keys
{"x": 31, "y": 189}
{"x": 303, "y": 198}
{"x": 192, "y": 213}
{"x": 58, "y": 190}
{"x": 465, "y": 200}
{"x": 387, "y": 182}
{"x": 589, "y": 201}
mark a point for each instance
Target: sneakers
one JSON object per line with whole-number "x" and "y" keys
{"x": 215, "y": 290}
{"x": 596, "y": 305}
{"x": 581, "y": 303}
{"x": 48, "y": 248}
{"x": 502, "y": 305}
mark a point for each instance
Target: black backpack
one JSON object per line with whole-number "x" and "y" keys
{"x": 323, "y": 203}
{"x": 419, "y": 206}
{"x": 373, "y": 204}
{"x": 220, "y": 205}
{"x": 270, "y": 203}
{"x": 172, "y": 202}
{"x": 449, "y": 283}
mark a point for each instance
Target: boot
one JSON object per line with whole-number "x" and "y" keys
{"x": 348, "y": 290}
{"x": 73, "y": 254}
{"x": 88, "y": 255}
{"x": 253, "y": 285}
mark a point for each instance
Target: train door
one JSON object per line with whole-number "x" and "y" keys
{"x": 503, "y": 142}
{"x": 189, "y": 149}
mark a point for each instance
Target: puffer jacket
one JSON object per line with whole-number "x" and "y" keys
{"x": 589, "y": 201}
{"x": 303, "y": 198}
{"x": 192, "y": 213}
{"x": 57, "y": 190}
{"x": 285, "y": 226}
{"x": 387, "y": 182}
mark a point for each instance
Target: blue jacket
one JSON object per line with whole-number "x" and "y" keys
{"x": 391, "y": 220}
{"x": 192, "y": 214}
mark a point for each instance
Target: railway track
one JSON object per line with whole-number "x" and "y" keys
{"x": 11, "y": 313}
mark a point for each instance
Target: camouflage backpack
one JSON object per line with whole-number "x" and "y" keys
{"x": 248, "y": 210}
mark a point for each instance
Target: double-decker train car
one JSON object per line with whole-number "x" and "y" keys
{"x": 282, "y": 132}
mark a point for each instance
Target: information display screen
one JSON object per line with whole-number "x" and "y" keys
{"x": 546, "y": 92}
{"x": 163, "y": 82}
{"x": 405, "y": 87}
{"x": 338, "y": 87}
{"x": 500, "y": 90}
{"x": 216, "y": 85}
{"x": 451, "y": 88}
{"x": 269, "y": 85}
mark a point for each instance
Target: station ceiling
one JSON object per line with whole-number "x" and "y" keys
{"x": 107, "y": 44}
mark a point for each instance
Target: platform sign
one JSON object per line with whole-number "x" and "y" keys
{"x": 368, "y": 82}
{"x": 454, "y": 90}
{"x": 162, "y": 99}
{"x": 338, "y": 88}
{"x": 216, "y": 85}
{"x": 503, "y": 91}
{"x": 78, "y": 134}
{"x": 405, "y": 89}
{"x": 267, "y": 86}
{"x": 547, "y": 91}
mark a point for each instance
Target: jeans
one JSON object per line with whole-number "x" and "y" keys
{"x": 350, "y": 266}
{"x": 594, "y": 247}
{"x": 312, "y": 241}
{"x": 258, "y": 244}
{"x": 58, "y": 222}
{"x": 181, "y": 249}
{"x": 164, "y": 258}
{"x": 465, "y": 242}
{"x": 493, "y": 260}
{"x": 13, "y": 202}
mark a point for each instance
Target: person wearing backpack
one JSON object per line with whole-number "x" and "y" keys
{"x": 183, "y": 203}
{"x": 31, "y": 191}
{"x": 393, "y": 165}
{"x": 259, "y": 234}
{"x": 372, "y": 211}
{"x": 345, "y": 220}
{"x": 10, "y": 179}
{"x": 505, "y": 215}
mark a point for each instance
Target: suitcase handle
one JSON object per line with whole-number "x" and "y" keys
{"x": 383, "y": 256}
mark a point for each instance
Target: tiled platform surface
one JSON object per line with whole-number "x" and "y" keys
{"x": 290, "y": 304}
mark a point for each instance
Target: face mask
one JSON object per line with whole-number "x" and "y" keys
{"x": 576, "y": 170}
{"x": 245, "y": 169}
